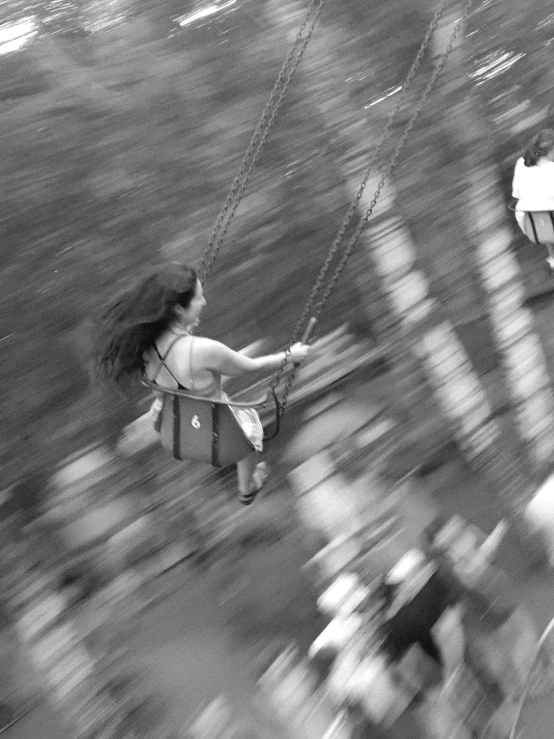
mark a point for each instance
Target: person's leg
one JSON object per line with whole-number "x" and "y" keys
{"x": 251, "y": 475}
{"x": 550, "y": 259}
{"x": 245, "y": 471}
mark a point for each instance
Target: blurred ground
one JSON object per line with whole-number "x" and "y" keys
{"x": 199, "y": 641}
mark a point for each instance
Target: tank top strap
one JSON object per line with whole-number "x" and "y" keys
{"x": 213, "y": 388}
{"x": 164, "y": 357}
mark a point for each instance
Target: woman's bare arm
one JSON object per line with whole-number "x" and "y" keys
{"x": 216, "y": 357}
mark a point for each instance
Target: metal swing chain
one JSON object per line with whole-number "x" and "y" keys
{"x": 394, "y": 161}
{"x": 354, "y": 203}
{"x": 259, "y": 137}
{"x": 363, "y": 221}
{"x": 374, "y": 157}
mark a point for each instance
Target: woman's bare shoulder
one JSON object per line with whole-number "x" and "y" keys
{"x": 209, "y": 347}
{"x": 218, "y": 357}
{"x": 202, "y": 342}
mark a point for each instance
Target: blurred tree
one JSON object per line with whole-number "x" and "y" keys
{"x": 457, "y": 388}
{"x": 484, "y": 218}
{"x": 54, "y": 645}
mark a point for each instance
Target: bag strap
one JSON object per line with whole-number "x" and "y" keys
{"x": 278, "y": 415}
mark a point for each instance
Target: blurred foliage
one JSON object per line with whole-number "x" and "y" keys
{"x": 122, "y": 131}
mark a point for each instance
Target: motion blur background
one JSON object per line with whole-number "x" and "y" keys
{"x": 122, "y": 126}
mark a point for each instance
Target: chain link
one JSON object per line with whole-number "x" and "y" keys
{"x": 261, "y": 142}
{"x": 308, "y": 309}
{"x": 392, "y": 164}
{"x": 259, "y": 137}
{"x": 377, "y": 151}
{"x": 396, "y": 156}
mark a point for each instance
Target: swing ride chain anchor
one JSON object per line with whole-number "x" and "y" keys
{"x": 386, "y": 173}
{"x": 312, "y": 323}
{"x": 258, "y": 138}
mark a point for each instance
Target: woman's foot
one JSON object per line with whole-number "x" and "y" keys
{"x": 258, "y": 480}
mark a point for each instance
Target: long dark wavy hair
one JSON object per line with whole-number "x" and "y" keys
{"x": 538, "y": 147}
{"x": 132, "y": 323}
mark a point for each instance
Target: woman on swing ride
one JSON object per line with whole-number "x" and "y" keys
{"x": 533, "y": 188}
{"x": 148, "y": 332}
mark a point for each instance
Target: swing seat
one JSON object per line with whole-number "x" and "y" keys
{"x": 204, "y": 429}
{"x": 538, "y": 226}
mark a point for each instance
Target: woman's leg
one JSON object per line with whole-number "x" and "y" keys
{"x": 251, "y": 475}
{"x": 245, "y": 472}
{"x": 550, "y": 249}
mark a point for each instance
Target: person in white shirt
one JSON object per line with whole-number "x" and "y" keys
{"x": 533, "y": 184}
